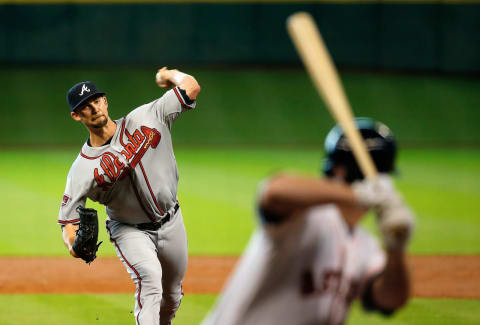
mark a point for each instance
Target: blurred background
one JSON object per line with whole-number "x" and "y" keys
{"x": 414, "y": 65}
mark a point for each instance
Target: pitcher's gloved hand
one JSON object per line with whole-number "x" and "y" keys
{"x": 85, "y": 245}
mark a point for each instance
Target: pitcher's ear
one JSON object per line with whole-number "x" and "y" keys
{"x": 75, "y": 116}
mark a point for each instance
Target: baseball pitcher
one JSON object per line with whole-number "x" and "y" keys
{"x": 309, "y": 259}
{"x": 129, "y": 166}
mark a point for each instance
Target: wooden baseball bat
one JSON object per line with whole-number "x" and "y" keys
{"x": 315, "y": 57}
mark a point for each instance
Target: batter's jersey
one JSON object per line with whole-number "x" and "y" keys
{"x": 306, "y": 271}
{"x": 135, "y": 176}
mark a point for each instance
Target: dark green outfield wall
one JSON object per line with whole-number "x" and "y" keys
{"x": 244, "y": 106}
{"x": 428, "y": 36}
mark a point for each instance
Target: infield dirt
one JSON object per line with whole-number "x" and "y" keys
{"x": 433, "y": 276}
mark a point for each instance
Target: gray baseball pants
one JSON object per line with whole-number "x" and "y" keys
{"x": 156, "y": 261}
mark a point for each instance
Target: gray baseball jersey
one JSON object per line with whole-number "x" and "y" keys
{"x": 135, "y": 176}
{"x": 305, "y": 271}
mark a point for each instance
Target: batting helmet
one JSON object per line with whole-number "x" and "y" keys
{"x": 380, "y": 143}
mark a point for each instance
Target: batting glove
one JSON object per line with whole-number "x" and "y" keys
{"x": 372, "y": 193}
{"x": 396, "y": 222}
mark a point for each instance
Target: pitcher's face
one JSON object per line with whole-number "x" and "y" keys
{"x": 94, "y": 113}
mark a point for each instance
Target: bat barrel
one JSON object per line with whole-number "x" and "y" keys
{"x": 319, "y": 65}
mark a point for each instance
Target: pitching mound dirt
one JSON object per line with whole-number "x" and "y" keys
{"x": 433, "y": 276}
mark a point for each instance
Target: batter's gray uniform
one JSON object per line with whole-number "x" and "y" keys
{"x": 306, "y": 271}
{"x": 135, "y": 176}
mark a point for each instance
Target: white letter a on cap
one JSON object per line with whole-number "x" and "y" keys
{"x": 84, "y": 88}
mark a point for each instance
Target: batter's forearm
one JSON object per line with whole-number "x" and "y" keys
{"x": 392, "y": 289}
{"x": 286, "y": 193}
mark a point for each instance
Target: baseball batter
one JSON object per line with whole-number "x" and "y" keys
{"x": 129, "y": 166}
{"x": 309, "y": 260}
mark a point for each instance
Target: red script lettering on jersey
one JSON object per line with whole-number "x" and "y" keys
{"x": 138, "y": 144}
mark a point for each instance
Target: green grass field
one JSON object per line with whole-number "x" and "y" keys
{"x": 116, "y": 309}
{"x": 217, "y": 192}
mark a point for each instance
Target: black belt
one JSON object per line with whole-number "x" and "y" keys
{"x": 157, "y": 224}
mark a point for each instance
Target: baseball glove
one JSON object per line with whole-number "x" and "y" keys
{"x": 85, "y": 245}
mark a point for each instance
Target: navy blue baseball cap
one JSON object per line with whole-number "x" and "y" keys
{"x": 81, "y": 92}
